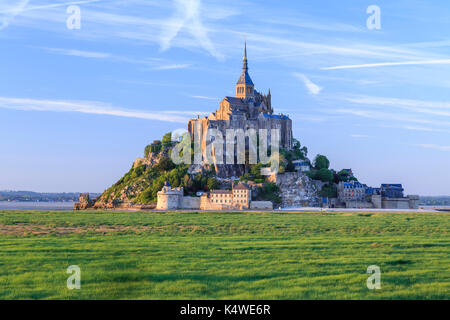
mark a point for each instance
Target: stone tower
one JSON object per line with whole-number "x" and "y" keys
{"x": 245, "y": 87}
{"x": 169, "y": 198}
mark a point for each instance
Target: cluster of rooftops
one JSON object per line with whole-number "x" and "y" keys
{"x": 387, "y": 190}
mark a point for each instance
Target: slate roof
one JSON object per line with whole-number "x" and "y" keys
{"x": 353, "y": 185}
{"x": 371, "y": 190}
{"x": 274, "y": 116}
{"x": 245, "y": 79}
{"x": 391, "y": 185}
{"x": 234, "y": 100}
{"x": 300, "y": 162}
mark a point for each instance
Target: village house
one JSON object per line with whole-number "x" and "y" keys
{"x": 301, "y": 165}
{"x": 389, "y": 196}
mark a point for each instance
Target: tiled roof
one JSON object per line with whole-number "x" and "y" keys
{"x": 221, "y": 191}
{"x": 241, "y": 186}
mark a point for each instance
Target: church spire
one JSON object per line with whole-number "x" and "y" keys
{"x": 245, "y": 65}
{"x": 245, "y": 87}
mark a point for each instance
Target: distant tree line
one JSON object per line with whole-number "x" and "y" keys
{"x": 37, "y": 196}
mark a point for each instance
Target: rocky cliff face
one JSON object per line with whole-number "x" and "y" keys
{"x": 297, "y": 190}
{"x": 84, "y": 202}
{"x": 230, "y": 170}
{"x": 150, "y": 160}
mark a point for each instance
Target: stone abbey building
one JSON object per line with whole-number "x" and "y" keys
{"x": 249, "y": 109}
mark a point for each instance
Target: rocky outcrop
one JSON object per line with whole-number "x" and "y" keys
{"x": 297, "y": 190}
{"x": 124, "y": 196}
{"x": 223, "y": 171}
{"x": 84, "y": 202}
{"x": 230, "y": 170}
{"x": 150, "y": 160}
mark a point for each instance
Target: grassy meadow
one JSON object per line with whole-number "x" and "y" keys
{"x": 248, "y": 255}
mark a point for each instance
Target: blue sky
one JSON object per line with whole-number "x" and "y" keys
{"x": 77, "y": 106}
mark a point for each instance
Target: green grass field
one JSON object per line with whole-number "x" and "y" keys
{"x": 149, "y": 255}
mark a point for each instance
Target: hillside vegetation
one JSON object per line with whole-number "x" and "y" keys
{"x": 143, "y": 181}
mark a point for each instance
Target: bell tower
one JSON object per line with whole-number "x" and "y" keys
{"x": 245, "y": 87}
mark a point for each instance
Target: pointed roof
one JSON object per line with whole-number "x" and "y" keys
{"x": 245, "y": 64}
{"x": 245, "y": 77}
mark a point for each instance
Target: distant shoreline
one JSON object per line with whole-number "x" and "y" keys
{"x": 31, "y": 201}
{"x": 37, "y": 205}
{"x": 68, "y": 206}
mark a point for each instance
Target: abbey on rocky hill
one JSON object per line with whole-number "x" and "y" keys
{"x": 249, "y": 109}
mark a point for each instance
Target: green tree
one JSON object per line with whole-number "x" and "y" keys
{"x": 212, "y": 183}
{"x": 290, "y": 167}
{"x": 324, "y": 175}
{"x": 138, "y": 172}
{"x": 329, "y": 191}
{"x": 321, "y": 162}
{"x": 147, "y": 150}
{"x": 304, "y": 151}
{"x": 174, "y": 178}
{"x": 204, "y": 183}
{"x": 255, "y": 171}
{"x": 156, "y": 148}
{"x": 164, "y": 164}
{"x": 167, "y": 139}
{"x": 270, "y": 192}
{"x": 188, "y": 183}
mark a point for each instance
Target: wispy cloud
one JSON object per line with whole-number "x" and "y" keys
{"x": 187, "y": 112}
{"x": 9, "y": 9}
{"x": 314, "y": 25}
{"x": 204, "y": 98}
{"x": 172, "y": 66}
{"x": 418, "y": 106}
{"x": 389, "y": 64}
{"x": 423, "y": 129}
{"x": 390, "y": 116}
{"x": 192, "y": 26}
{"x": 92, "y": 107}
{"x": 80, "y": 53}
{"x": 153, "y": 63}
{"x": 61, "y": 4}
{"x": 311, "y": 86}
{"x": 434, "y": 146}
{"x": 187, "y": 15}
